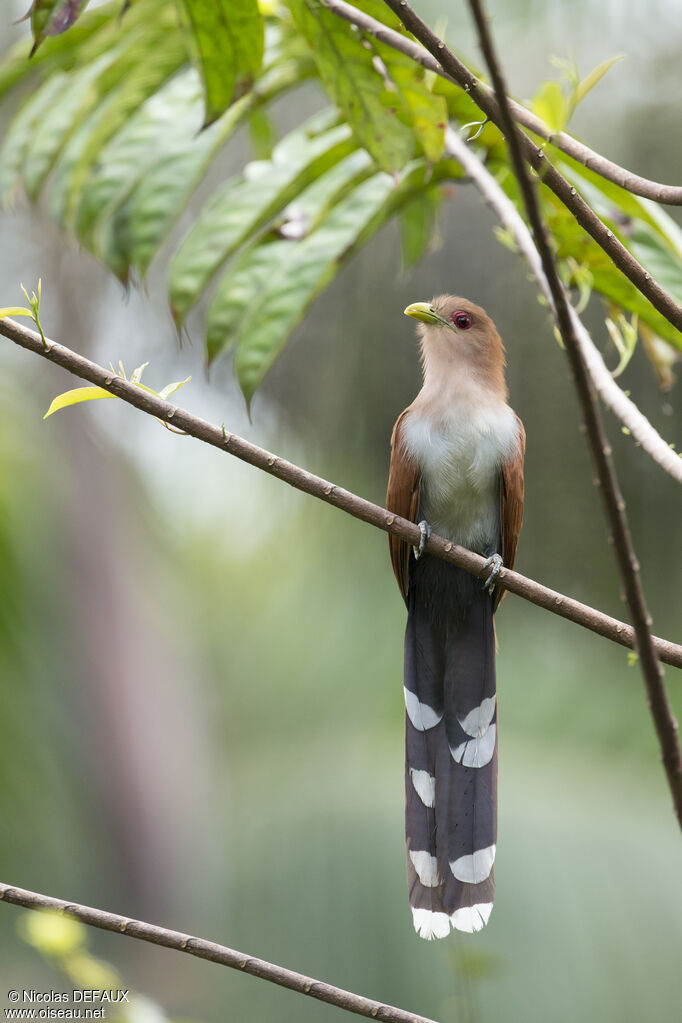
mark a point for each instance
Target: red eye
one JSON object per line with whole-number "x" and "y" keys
{"x": 462, "y": 319}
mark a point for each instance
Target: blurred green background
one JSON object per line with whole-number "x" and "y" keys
{"x": 201, "y": 706}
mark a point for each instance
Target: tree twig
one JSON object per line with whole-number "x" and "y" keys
{"x": 611, "y": 394}
{"x": 669, "y": 194}
{"x": 358, "y": 507}
{"x": 614, "y": 506}
{"x": 537, "y": 158}
{"x": 214, "y": 953}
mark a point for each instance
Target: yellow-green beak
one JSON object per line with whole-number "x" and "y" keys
{"x": 425, "y": 312}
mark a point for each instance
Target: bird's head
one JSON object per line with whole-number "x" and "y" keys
{"x": 457, "y": 335}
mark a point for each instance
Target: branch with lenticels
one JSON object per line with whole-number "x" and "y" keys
{"x": 538, "y": 160}
{"x": 668, "y": 194}
{"x": 201, "y": 948}
{"x": 558, "y": 603}
{"x": 636, "y": 423}
{"x": 614, "y": 506}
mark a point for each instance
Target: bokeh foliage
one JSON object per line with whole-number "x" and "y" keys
{"x": 302, "y": 858}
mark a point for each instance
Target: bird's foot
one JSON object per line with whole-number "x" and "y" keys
{"x": 425, "y": 530}
{"x": 495, "y": 563}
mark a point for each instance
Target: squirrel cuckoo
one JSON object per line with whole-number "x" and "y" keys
{"x": 457, "y": 468}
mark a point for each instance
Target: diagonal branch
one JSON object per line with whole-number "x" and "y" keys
{"x": 611, "y": 394}
{"x": 295, "y": 476}
{"x": 669, "y": 194}
{"x": 614, "y": 506}
{"x": 537, "y": 158}
{"x": 214, "y": 953}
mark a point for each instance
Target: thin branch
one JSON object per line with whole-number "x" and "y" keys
{"x": 542, "y": 596}
{"x": 203, "y": 949}
{"x": 614, "y": 506}
{"x": 611, "y": 394}
{"x": 537, "y": 158}
{"x": 668, "y": 194}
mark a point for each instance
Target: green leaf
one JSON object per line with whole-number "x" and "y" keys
{"x": 244, "y": 205}
{"x": 52, "y": 17}
{"x": 75, "y": 397}
{"x": 574, "y": 244}
{"x": 611, "y": 202}
{"x": 460, "y": 105}
{"x": 551, "y": 106}
{"x": 310, "y": 266}
{"x": 164, "y": 123}
{"x": 170, "y": 389}
{"x": 157, "y": 193}
{"x": 228, "y": 38}
{"x": 588, "y": 83}
{"x": 417, "y": 222}
{"x": 57, "y": 122}
{"x": 425, "y": 113}
{"x": 80, "y": 394}
{"x": 650, "y": 234}
{"x": 461, "y": 108}
{"x": 136, "y": 375}
{"x": 15, "y": 310}
{"x": 350, "y": 78}
{"x": 662, "y": 357}
{"x": 623, "y": 334}
{"x": 239, "y": 289}
{"x": 658, "y": 257}
{"x": 267, "y": 295}
{"x": 581, "y": 278}
{"x": 641, "y": 226}
{"x": 406, "y": 88}
{"x": 262, "y": 134}
{"x": 313, "y": 263}
{"x": 153, "y": 58}
{"x": 56, "y": 52}
{"x": 22, "y": 130}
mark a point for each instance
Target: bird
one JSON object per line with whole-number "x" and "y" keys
{"x": 457, "y": 468}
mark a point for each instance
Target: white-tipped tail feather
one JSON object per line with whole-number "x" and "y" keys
{"x": 470, "y": 919}
{"x": 421, "y": 715}
{"x": 450, "y": 750}
{"x": 474, "y": 868}
{"x": 476, "y": 752}
{"x": 425, "y": 786}
{"x": 478, "y": 720}
{"x": 426, "y": 866}
{"x": 430, "y": 925}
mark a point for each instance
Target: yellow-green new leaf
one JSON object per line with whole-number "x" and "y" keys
{"x": 15, "y": 310}
{"x": 551, "y": 106}
{"x": 169, "y": 389}
{"x": 75, "y": 397}
{"x": 623, "y": 334}
{"x": 593, "y": 79}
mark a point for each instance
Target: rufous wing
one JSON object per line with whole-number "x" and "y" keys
{"x": 511, "y": 504}
{"x": 402, "y": 498}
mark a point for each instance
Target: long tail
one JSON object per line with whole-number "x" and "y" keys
{"x": 450, "y": 750}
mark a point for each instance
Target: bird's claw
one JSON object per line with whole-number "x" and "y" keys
{"x": 496, "y": 562}
{"x": 425, "y": 530}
